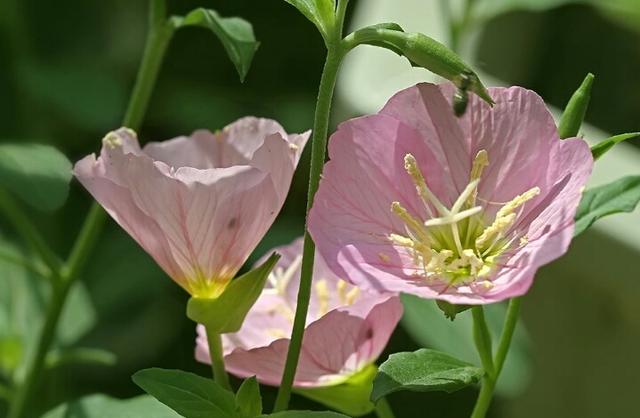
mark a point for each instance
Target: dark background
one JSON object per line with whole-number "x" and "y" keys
{"x": 66, "y": 70}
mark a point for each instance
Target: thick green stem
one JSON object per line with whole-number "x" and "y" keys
{"x": 383, "y": 409}
{"x": 159, "y": 34}
{"x": 335, "y": 53}
{"x": 217, "y": 360}
{"x": 490, "y": 380}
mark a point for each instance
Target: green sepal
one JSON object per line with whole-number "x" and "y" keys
{"x": 236, "y": 35}
{"x": 350, "y": 397}
{"x": 421, "y": 51}
{"x": 603, "y": 146}
{"x": 248, "y": 399}
{"x": 622, "y": 195}
{"x": 450, "y": 310}
{"x": 226, "y": 313}
{"x": 423, "y": 370}
{"x": 322, "y": 13}
{"x": 576, "y": 108}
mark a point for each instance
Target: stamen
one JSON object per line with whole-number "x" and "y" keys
{"x": 352, "y": 295}
{"x": 112, "y": 140}
{"x": 495, "y": 230}
{"x": 518, "y": 201}
{"x": 322, "y": 293}
{"x": 409, "y": 220}
{"x": 425, "y": 193}
{"x": 341, "y": 287}
{"x": 479, "y": 163}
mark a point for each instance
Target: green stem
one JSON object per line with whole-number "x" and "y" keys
{"x": 482, "y": 339}
{"x": 383, "y": 409}
{"x": 159, "y": 34}
{"x": 217, "y": 360}
{"x": 489, "y": 381}
{"x": 335, "y": 53}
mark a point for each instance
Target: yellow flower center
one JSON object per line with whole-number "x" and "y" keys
{"x": 455, "y": 245}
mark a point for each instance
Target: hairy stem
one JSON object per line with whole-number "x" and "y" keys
{"x": 335, "y": 53}
{"x": 157, "y": 41}
{"x": 490, "y": 380}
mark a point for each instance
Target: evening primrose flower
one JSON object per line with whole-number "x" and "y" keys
{"x": 346, "y": 329}
{"x": 199, "y": 204}
{"x": 464, "y": 210}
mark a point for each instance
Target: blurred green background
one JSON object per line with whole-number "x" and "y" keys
{"x": 66, "y": 73}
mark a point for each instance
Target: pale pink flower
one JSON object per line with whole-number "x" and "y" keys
{"x": 200, "y": 204}
{"x": 465, "y": 210}
{"x": 346, "y": 328}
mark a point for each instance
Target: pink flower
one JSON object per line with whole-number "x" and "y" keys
{"x": 346, "y": 329}
{"x": 465, "y": 210}
{"x": 200, "y": 204}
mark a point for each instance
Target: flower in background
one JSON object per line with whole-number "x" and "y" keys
{"x": 346, "y": 328}
{"x": 465, "y": 210}
{"x": 200, "y": 204}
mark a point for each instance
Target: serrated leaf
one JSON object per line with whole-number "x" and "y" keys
{"x": 190, "y": 395}
{"x": 101, "y": 406}
{"x": 350, "y": 397}
{"x": 235, "y": 33}
{"x": 619, "y": 196}
{"x": 38, "y": 174}
{"x": 423, "y": 371}
{"x": 456, "y": 339}
{"x": 248, "y": 399}
{"x": 320, "y": 12}
{"x": 226, "y": 313}
{"x": 602, "y": 147}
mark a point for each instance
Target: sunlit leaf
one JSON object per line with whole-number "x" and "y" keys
{"x": 38, "y": 174}
{"x": 619, "y": 196}
{"x": 423, "y": 371}
{"x": 455, "y": 338}
{"x": 190, "y": 395}
{"x": 320, "y": 12}
{"x": 604, "y": 146}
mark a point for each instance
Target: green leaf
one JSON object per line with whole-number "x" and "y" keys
{"x": 23, "y": 301}
{"x": 602, "y": 147}
{"x": 190, "y": 395}
{"x": 450, "y": 310}
{"x": 456, "y": 339}
{"x": 350, "y": 397}
{"x": 226, "y": 313}
{"x": 619, "y": 196}
{"x": 11, "y": 352}
{"x": 236, "y": 35}
{"x": 421, "y": 51}
{"x": 38, "y": 174}
{"x": 248, "y": 399}
{"x": 305, "y": 414}
{"x": 80, "y": 355}
{"x": 423, "y": 371}
{"x": 101, "y": 406}
{"x": 576, "y": 108}
{"x": 320, "y": 12}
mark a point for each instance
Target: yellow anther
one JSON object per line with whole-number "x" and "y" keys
{"x": 276, "y": 333}
{"x": 479, "y": 163}
{"x": 413, "y": 223}
{"x": 293, "y": 146}
{"x": 112, "y": 140}
{"x": 352, "y": 295}
{"x": 518, "y": 201}
{"x": 322, "y": 293}
{"x": 399, "y": 240}
{"x": 524, "y": 241}
{"x": 424, "y": 192}
{"x": 495, "y": 230}
{"x": 341, "y": 287}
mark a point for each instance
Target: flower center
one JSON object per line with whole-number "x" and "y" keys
{"x": 455, "y": 246}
